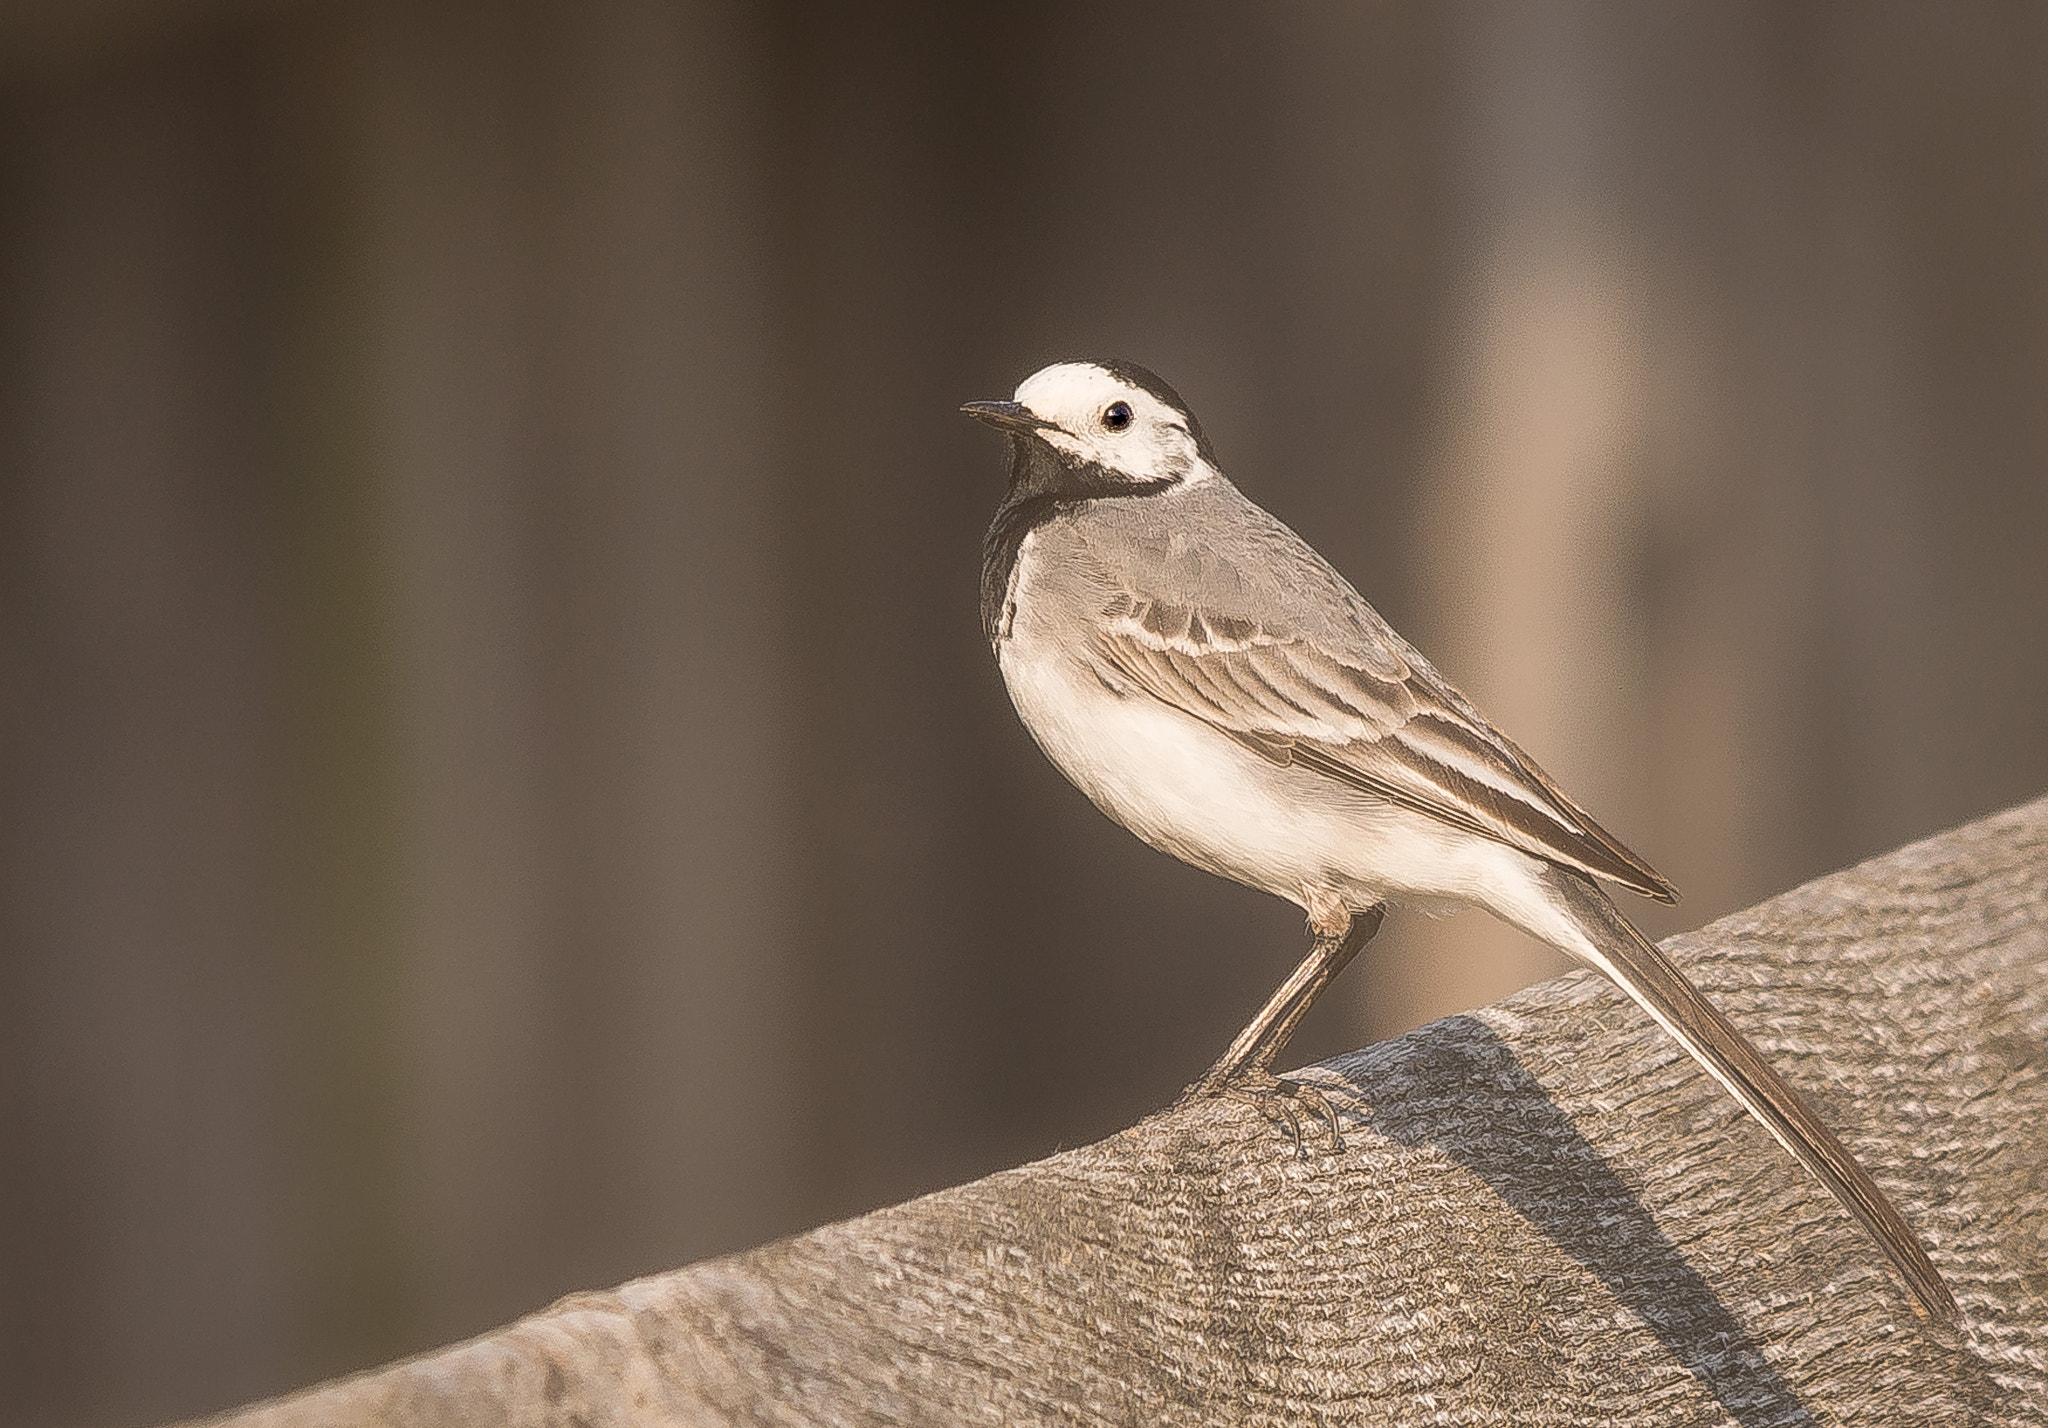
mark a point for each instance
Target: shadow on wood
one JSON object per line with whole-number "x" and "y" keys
{"x": 1543, "y": 1212}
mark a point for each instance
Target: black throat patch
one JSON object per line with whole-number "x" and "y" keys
{"x": 1044, "y": 483}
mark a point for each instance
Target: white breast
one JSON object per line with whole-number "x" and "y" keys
{"x": 1190, "y": 790}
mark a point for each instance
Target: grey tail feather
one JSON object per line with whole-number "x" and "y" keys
{"x": 1647, "y": 975}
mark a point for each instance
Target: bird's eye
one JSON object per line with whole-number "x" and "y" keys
{"x": 1117, "y": 415}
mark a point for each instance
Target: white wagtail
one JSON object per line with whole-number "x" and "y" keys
{"x": 1219, "y": 690}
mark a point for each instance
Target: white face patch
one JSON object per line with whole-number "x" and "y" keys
{"x": 1079, "y": 398}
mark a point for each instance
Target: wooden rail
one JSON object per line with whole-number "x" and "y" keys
{"x": 1544, "y": 1213}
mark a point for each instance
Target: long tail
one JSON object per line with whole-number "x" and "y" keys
{"x": 1647, "y": 975}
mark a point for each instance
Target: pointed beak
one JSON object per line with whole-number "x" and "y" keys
{"x": 1007, "y": 416}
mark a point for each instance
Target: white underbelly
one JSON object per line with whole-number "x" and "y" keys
{"x": 1189, "y": 790}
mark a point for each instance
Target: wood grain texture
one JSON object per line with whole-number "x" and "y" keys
{"x": 1545, "y": 1214}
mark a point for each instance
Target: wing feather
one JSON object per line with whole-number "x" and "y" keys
{"x": 1411, "y": 738}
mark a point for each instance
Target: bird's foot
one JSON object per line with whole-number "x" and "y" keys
{"x": 1277, "y": 1100}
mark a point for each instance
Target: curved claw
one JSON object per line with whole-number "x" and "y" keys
{"x": 1317, "y": 1097}
{"x": 1276, "y": 1100}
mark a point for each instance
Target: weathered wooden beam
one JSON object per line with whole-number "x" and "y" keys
{"x": 1544, "y": 1213}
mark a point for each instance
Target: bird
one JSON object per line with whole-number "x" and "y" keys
{"x": 1215, "y": 686}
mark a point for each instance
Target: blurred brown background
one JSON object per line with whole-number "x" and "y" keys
{"x": 501, "y": 786}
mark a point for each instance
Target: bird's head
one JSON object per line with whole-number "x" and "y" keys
{"x": 1099, "y": 429}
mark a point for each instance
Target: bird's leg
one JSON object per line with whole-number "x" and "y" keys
{"x": 1252, "y": 1054}
{"x": 1245, "y": 1071}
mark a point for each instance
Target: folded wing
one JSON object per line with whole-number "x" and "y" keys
{"x": 1371, "y": 716}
